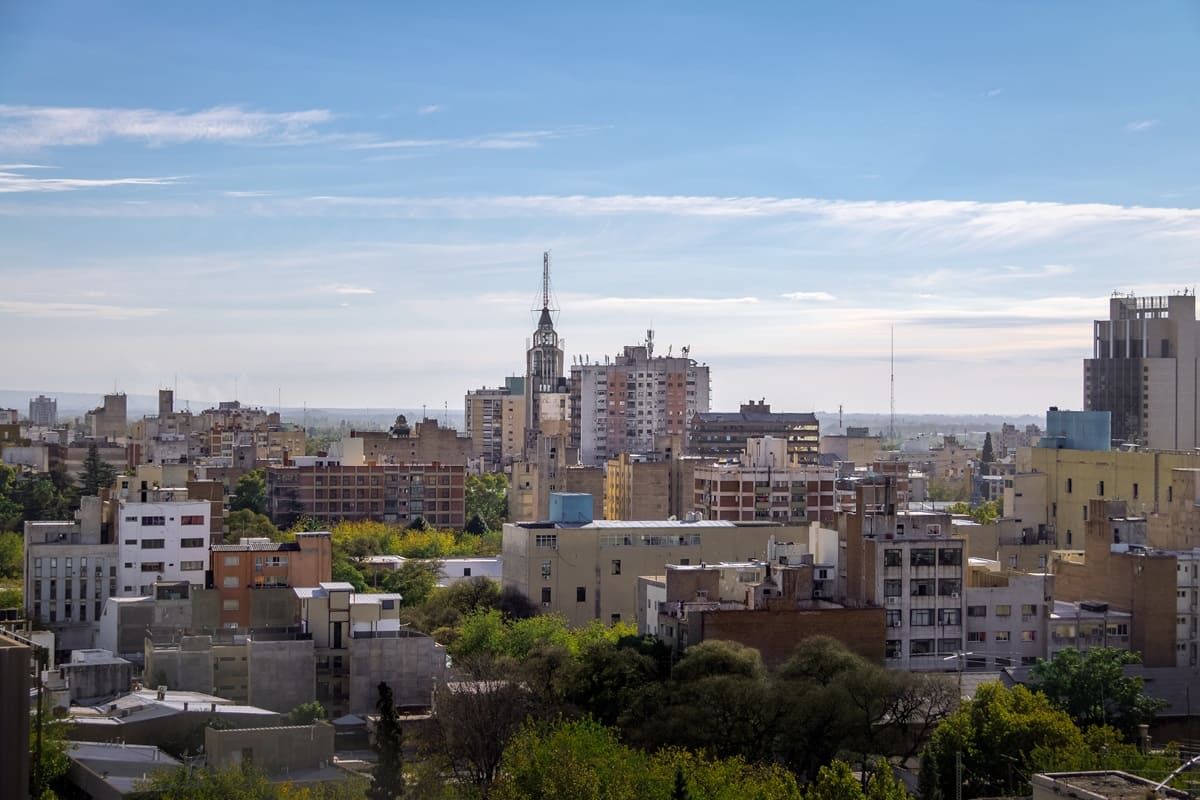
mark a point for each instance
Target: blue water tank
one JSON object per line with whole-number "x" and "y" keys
{"x": 571, "y": 507}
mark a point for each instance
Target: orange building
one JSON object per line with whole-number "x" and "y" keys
{"x": 239, "y": 569}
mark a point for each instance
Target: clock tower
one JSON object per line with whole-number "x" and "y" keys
{"x": 543, "y": 361}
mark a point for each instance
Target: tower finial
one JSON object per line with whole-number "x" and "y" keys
{"x": 546, "y": 279}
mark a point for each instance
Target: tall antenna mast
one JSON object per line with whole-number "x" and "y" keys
{"x": 545, "y": 279}
{"x": 892, "y": 414}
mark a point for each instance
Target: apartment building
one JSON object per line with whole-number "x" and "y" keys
{"x": 1008, "y": 615}
{"x": 1143, "y": 370}
{"x": 358, "y": 641}
{"x": 909, "y": 563}
{"x": 620, "y": 406}
{"x": 552, "y": 468}
{"x": 642, "y": 487}
{"x": 1087, "y": 624}
{"x": 70, "y": 572}
{"x": 329, "y": 489}
{"x": 723, "y": 434}
{"x": 495, "y": 421}
{"x": 107, "y": 423}
{"x": 43, "y": 411}
{"x": 253, "y": 564}
{"x": 763, "y": 485}
{"x": 425, "y": 443}
{"x": 856, "y": 445}
{"x": 587, "y": 569}
{"x": 162, "y": 538}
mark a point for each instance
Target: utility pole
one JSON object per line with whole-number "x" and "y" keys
{"x": 958, "y": 773}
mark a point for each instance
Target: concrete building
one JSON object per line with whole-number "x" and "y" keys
{"x": 1077, "y": 430}
{"x": 909, "y": 563}
{"x": 620, "y": 406}
{"x": 425, "y": 443}
{"x": 358, "y": 641}
{"x": 239, "y": 570}
{"x": 43, "y": 411}
{"x": 587, "y": 570}
{"x": 640, "y": 487}
{"x": 108, "y": 422}
{"x": 70, "y": 572}
{"x": 95, "y": 675}
{"x": 16, "y": 681}
{"x": 762, "y": 485}
{"x": 163, "y": 716}
{"x": 552, "y": 468}
{"x": 856, "y": 445}
{"x": 1008, "y": 615}
{"x": 114, "y": 770}
{"x": 299, "y": 754}
{"x": 495, "y": 421}
{"x": 452, "y": 570}
{"x": 74, "y": 453}
{"x": 544, "y": 374}
{"x": 164, "y": 538}
{"x": 724, "y": 434}
{"x": 1084, "y": 625}
{"x": 1143, "y": 370}
{"x": 1098, "y": 785}
{"x": 349, "y": 488}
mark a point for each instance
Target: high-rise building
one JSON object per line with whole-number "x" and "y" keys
{"x": 543, "y": 364}
{"x": 1143, "y": 369}
{"x": 620, "y": 406}
{"x": 108, "y": 422}
{"x": 43, "y": 411}
{"x": 723, "y": 434}
{"x": 495, "y": 421}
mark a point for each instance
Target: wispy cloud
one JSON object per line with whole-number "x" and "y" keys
{"x": 27, "y": 166}
{"x": 808, "y": 297}
{"x": 430, "y": 109}
{"x": 249, "y": 193}
{"x": 507, "y": 140}
{"x": 16, "y": 182}
{"x": 1141, "y": 125}
{"x": 975, "y": 276}
{"x": 31, "y": 127}
{"x": 994, "y": 92}
{"x": 55, "y": 310}
{"x": 345, "y": 288}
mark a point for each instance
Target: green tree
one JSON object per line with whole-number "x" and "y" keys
{"x": 245, "y": 522}
{"x": 476, "y": 525}
{"x": 48, "y": 772}
{"x": 884, "y": 785}
{"x": 12, "y": 598}
{"x": 835, "y": 782}
{"x": 487, "y": 498}
{"x": 679, "y": 791}
{"x": 307, "y": 713}
{"x": 97, "y": 474}
{"x": 1092, "y": 687}
{"x": 717, "y": 657}
{"x": 442, "y": 611}
{"x": 12, "y": 555}
{"x": 387, "y": 779}
{"x": 250, "y": 493}
{"x": 414, "y": 580}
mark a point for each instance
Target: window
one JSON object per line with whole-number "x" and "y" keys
{"x": 920, "y": 647}
{"x": 893, "y": 648}
{"x": 37, "y": 567}
{"x": 920, "y": 617}
{"x": 232, "y": 561}
{"x": 146, "y": 521}
{"x": 893, "y": 558}
{"x": 152, "y": 566}
{"x": 894, "y": 618}
{"x": 922, "y": 558}
{"x": 950, "y": 588}
{"x": 1069, "y": 485}
{"x": 546, "y": 570}
{"x": 950, "y": 556}
{"x": 199, "y": 542}
{"x": 976, "y": 636}
{"x": 976, "y": 611}
{"x": 546, "y": 540}
{"x": 230, "y": 582}
{"x": 614, "y": 619}
{"x": 1028, "y": 636}
{"x": 949, "y": 616}
{"x": 545, "y": 595}
{"x": 891, "y": 588}
{"x": 922, "y": 588}
{"x": 1004, "y": 611}
{"x": 153, "y": 544}
{"x": 1001, "y": 636}
{"x": 387, "y": 605}
{"x": 616, "y": 566}
{"x": 191, "y": 519}
{"x": 230, "y": 605}
{"x": 131, "y": 519}
{"x": 466, "y": 572}
{"x": 1100, "y": 488}
{"x": 1118, "y": 629}
{"x": 1028, "y": 610}
{"x": 191, "y": 566}
{"x": 580, "y": 594}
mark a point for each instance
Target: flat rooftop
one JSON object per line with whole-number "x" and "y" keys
{"x": 1103, "y": 784}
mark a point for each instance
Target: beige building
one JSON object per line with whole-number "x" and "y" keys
{"x": 107, "y": 423}
{"x": 765, "y": 486}
{"x": 553, "y": 468}
{"x": 636, "y": 487}
{"x": 588, "y": 570}
{"x": 495, "y": 421}
{"x": 425, "y": 443}
{"x": 855, "y": 445}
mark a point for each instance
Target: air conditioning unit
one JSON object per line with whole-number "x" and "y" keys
{"x": 893, "y": 601}
{"x": 897, "y": 624}
{"x": 954, "y": 595}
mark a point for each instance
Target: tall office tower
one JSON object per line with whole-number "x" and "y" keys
{"x": 1143, "y": 370}
{"x": 495, "y": 421}
{"x": 621, "y": 406}
{"x": 43, "y": 411}
{"x": 543, "y": 365}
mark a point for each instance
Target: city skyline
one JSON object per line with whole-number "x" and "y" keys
{"x": 357, "y": 218}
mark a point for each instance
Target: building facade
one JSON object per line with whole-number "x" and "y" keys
{"x": 723, "y": 434}
{"x": 495, "y": 421}
{"x": 164, "y": 538}
{"x": 239, "y": 570}
{"x": 43, "y": 411}
{"x": 764, "y": 486}
{"x": 1143, "y": 370}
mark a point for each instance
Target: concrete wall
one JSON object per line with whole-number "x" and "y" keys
{"x": 188, "y": 667}
{"x": 273, "y": 750}
{"x": 775, "y": 634}
{"x": 282, "y": 674}
{"x": 96, "y": 680}
{"x": 14, "y": 721}
{"x": 411, "y": 665}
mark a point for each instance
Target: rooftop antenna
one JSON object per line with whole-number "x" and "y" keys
{"x": 892, "y": 413}
{"x": 546, "y": 279}
{"x": 839, "y": 416}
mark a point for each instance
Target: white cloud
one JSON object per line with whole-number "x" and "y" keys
{"x": 1141, "y": 125}
{"x": 50, "y": 126}
{"x": 55, "y": 310}
{"x": 690, "y": 302}
{"x": 954, "y": 278}
{"x": 430, "y": 109}
{"x": 251, "y": 193}
{"x": 508, "y": 140}
{"x": 995, "y": 92}
{"x": 808, "y": 297}
{"x": 26, "y": 166}
{"x": 15, "y": 182}
{"x": 345, "y": 288}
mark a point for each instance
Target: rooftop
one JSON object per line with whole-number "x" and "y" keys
{"x": 1103, "y": 785}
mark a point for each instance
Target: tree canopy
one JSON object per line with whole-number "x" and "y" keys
{"x": 487, "y": 499}
{"x": 1092, "y": 687}
{"x": 97, "y": 473}
{"x": 250, "y": 493}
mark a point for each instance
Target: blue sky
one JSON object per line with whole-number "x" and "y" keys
{"x": 349, "y": 203}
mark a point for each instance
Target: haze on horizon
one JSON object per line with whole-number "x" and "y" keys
{"x": 350, "y": 208}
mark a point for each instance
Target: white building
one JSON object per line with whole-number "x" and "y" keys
{"x": 163, "y": 539}
{"x": 1082, "y": 626}
{"x": 1007, "y": 615}
{"x": 919, "y": 577}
